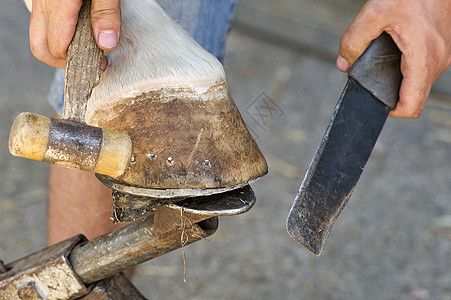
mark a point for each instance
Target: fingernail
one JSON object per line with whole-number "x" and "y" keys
{"x": 108, "y": 39}
{"x": 342, "y": 64}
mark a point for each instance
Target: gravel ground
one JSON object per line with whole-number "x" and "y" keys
{"x": 392, "y": 240}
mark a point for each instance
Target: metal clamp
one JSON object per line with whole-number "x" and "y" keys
{"x": 46, "y": 274}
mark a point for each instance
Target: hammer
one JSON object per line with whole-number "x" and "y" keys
{"x": 167, "y": 93}
{"x": 69, "y": 141}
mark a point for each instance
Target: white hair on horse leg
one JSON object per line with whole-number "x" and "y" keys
{"x": 154, "y": 53}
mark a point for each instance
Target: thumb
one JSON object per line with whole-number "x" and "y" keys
{"x": 106, "y": 23}
{"x": 366, "y": 27}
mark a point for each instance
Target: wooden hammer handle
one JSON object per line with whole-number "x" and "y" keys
{"x": 83, "y": 67}
{"x": 70, "y": 142}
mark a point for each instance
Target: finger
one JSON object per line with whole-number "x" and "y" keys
{"x": 411, "y": 103}
{"x": 62, "y": 17}
{"x": 369, "y": 23}
{"x": 414, "y": 90}
{"x": 106, "y": 23}
{"x": 38, "y": 39}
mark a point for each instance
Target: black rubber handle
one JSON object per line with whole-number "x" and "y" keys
{"x": 378, "y": 70}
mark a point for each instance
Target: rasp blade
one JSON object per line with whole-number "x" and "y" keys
{"x": 336, "y": 167}
{"x": 371, "y": 91}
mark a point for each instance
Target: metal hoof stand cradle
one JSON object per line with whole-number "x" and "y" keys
{"x": 77, "y": 268}
{"x": 216, "y": 159}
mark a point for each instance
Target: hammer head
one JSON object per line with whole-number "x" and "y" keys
{"x": 70, "y": 144}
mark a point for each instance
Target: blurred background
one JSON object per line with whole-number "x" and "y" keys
{"x": 393, "y": 239}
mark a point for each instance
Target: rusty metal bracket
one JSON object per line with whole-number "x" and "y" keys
{"x": 46, "y": 274}
{"x": 130, "y": 245}
{"x": 127, "y": 207}
{"x": 159, "y": 233}
{"x": 64, "y": 270}
{"x": 115, "y": 287}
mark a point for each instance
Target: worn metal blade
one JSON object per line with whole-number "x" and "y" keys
{"x": 371, "y": 91}
{"x": 336, "y": 167}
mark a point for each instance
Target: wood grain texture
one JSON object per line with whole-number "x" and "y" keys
{"x": 83, "y": 67}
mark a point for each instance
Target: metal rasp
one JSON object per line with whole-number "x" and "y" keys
{"x": 371, "y": 91}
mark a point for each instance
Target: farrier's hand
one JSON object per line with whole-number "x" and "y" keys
{"x": 422, "y": 31}
{"x": 52, "y": 26}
